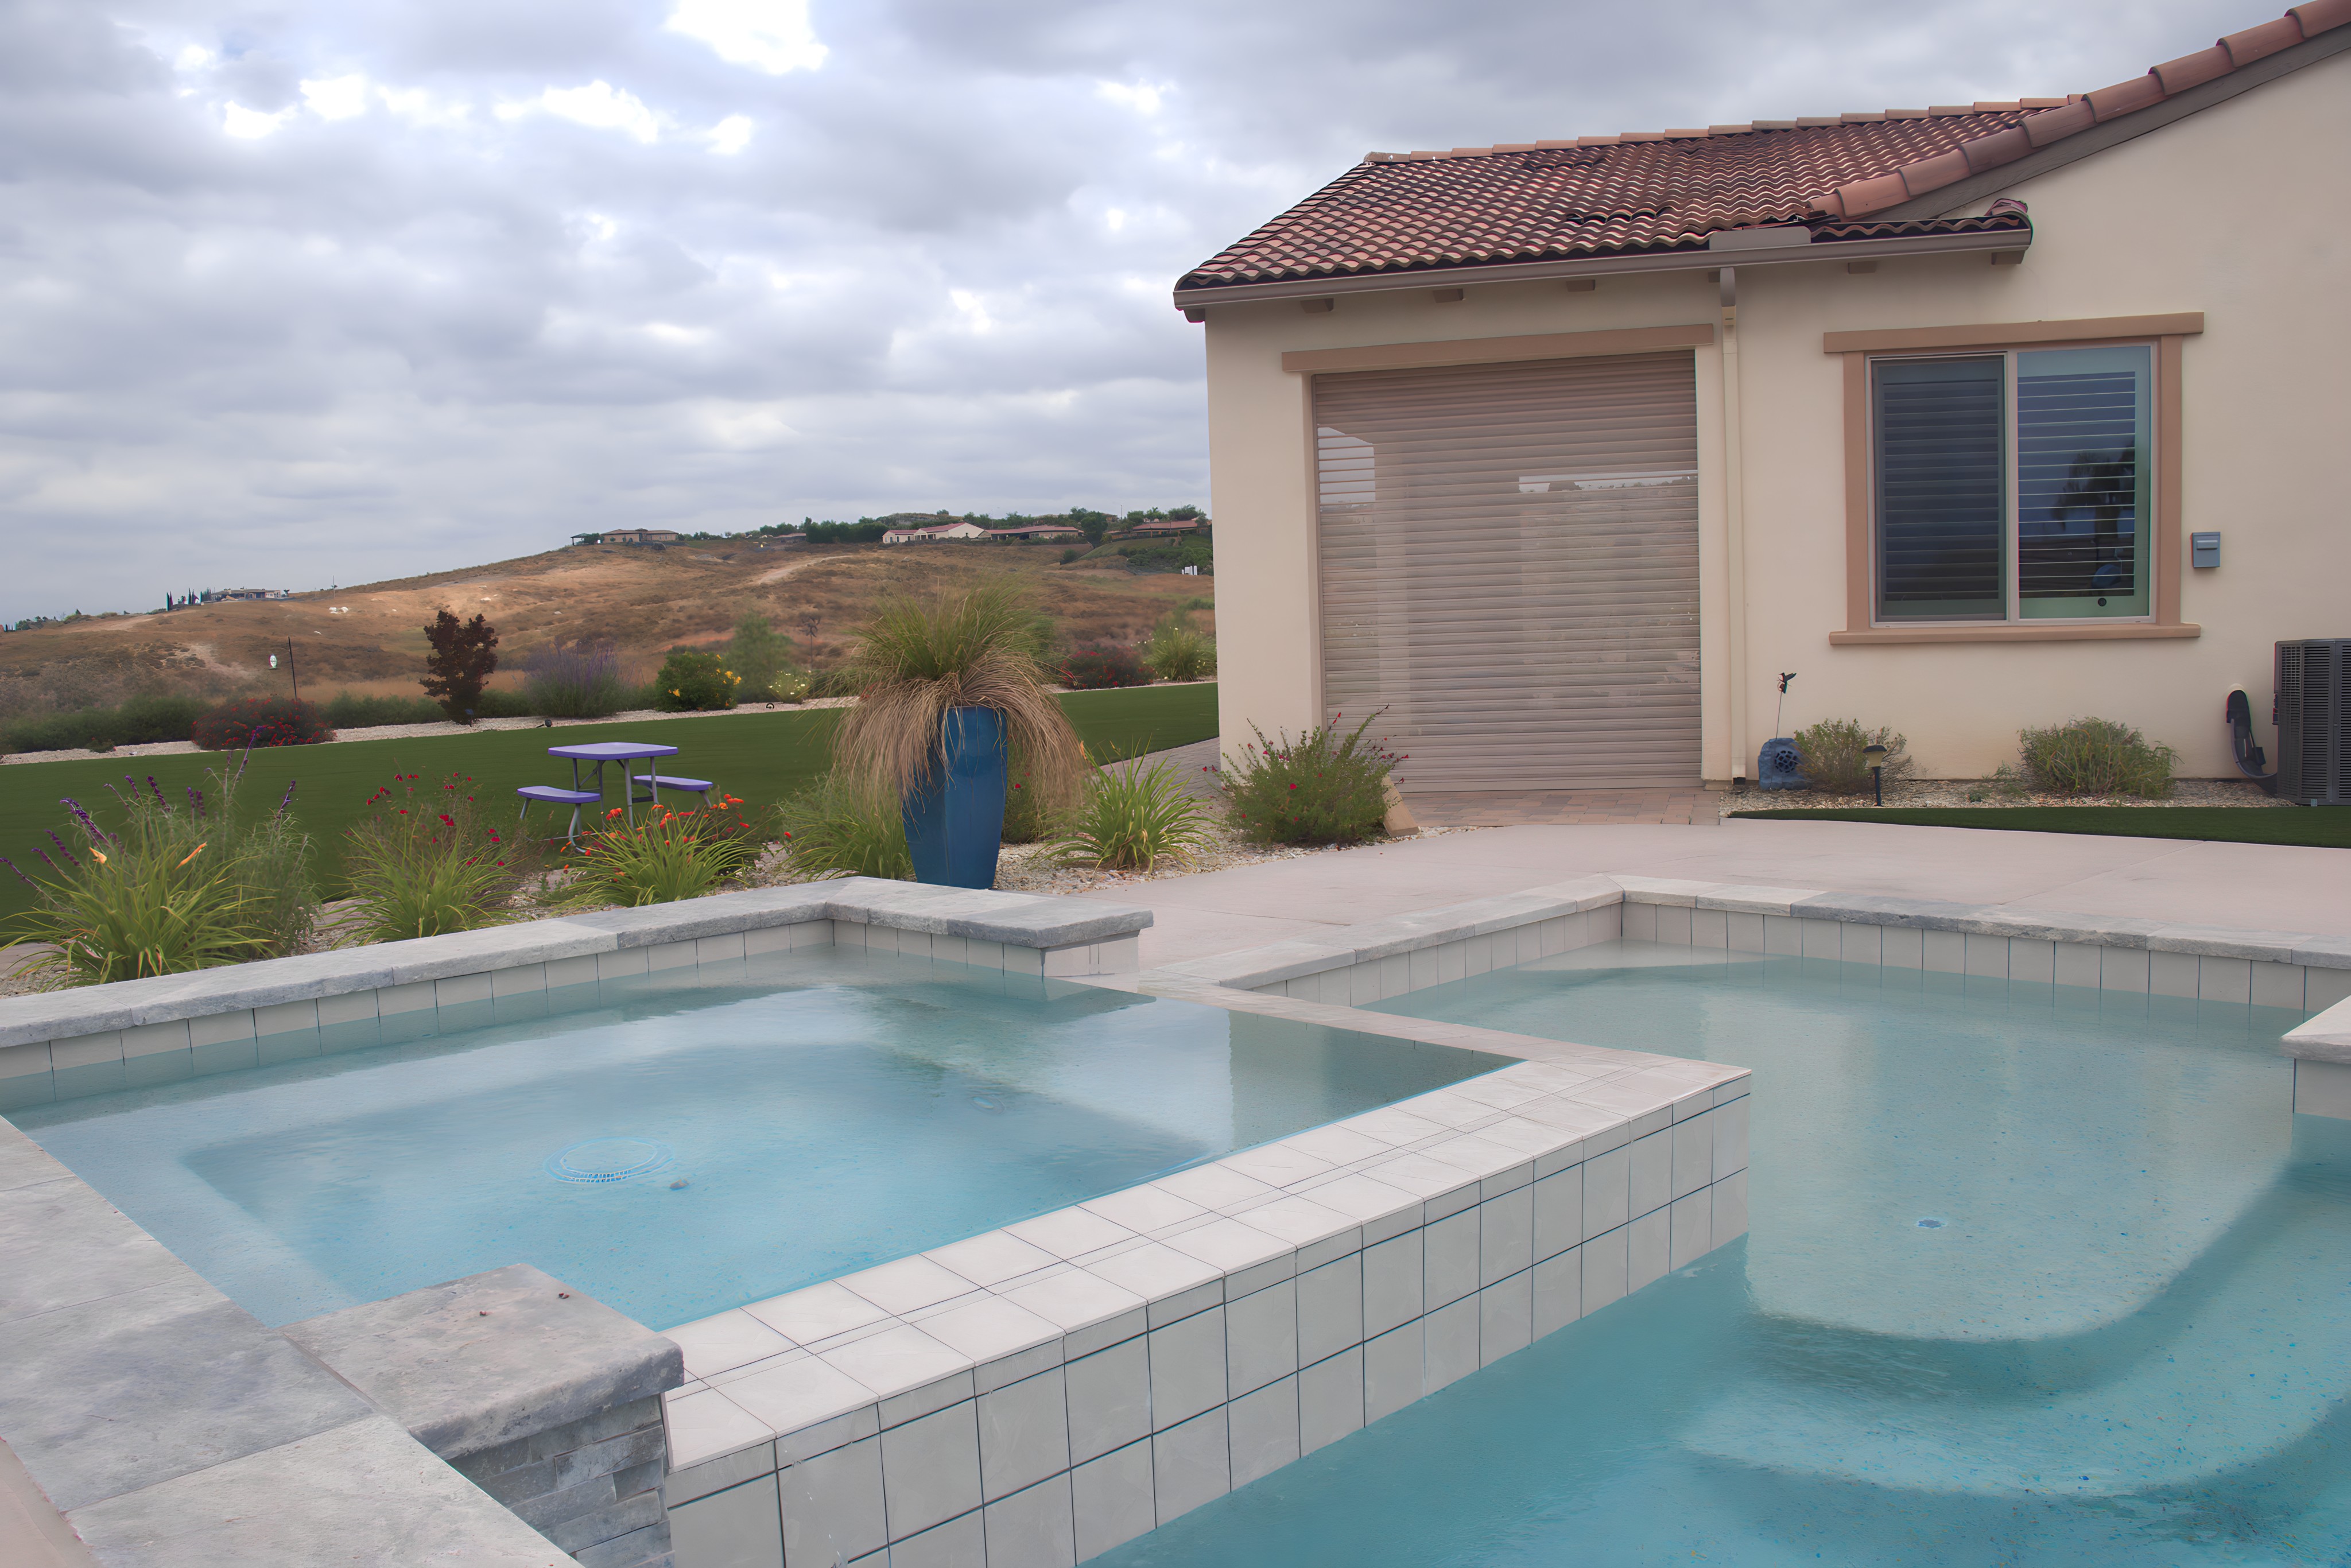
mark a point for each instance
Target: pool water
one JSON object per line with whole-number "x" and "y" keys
{"x": 2036, "y": 1275}
{"x": 678, "y": 1146}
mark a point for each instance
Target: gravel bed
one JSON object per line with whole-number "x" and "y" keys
{"x": 1915, "y": 794}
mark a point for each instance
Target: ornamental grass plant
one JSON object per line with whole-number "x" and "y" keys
{"x": 1324, "y": 787}
{"x": 182, "y": 885}
{"x": 1177, "y": 652}
{"x": 668, "y": 856}
{"x": 1130, "y": 818}
{"x": 1831, "y": 755}
{"x": 918, "y": 661}
{"x": 575, "y": 680}
{"x": 429, "y": 861}
{"x": 2095, "y": 757}
{"x": 845, "y": 824}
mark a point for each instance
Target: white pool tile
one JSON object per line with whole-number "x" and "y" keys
{"x": 1604, "y": 1263}
{"x": 2171, "y": 974}
{"x": 1474, "y": 1155}
{"x": 1449, "y": 1259}
{"x": 1945, "y": 952}
{"x": 2031, "y": 961}
{"x": 1558, "y": 1212}
{"x": 1557, "y": 1291}
{"x": 832, "y": 1504}
{"x": 1336, "y": 1144}
{"x": 1903, "y": 947}
{"x": 930, "y": 1470}
{"x": 1505, "y": 1235}
{"x": 1730, "y": 1207}
{"x": 1077, "y": 1300}
{"x": 669, "y": 955}
{"x": 1024, "y": 1433}
{"x": 990, "y": 1258}
{"x": 2122, "y": 969}
{"x": 1033, "y": 1528}
{"x": 958, "y": 1543}
{"x": 1640, "y": 922}
{"x": 2322, "y": 989}
{"x": 1415, "y": 1174}
{"x": 1651, "y": 1172}
{"x": 1392, "y": 1370}
{"x": 1672, "y": 924}
{"x": 818, "y": 1313}
{"x": 2225, "y": 979}
{"x": 1329, "y": 1303}
{"x": 1218, "y": 1187}
{"x": 1693, "y": 1153}
{"x": 1394, "y": 1126}
{"x": 1279, "y": 1164}
{"x": 1143, "y": 1208}
{"x": 1709, "y": 928}
{"x": 1070, "y": 1232}
{"x": 895, "y": 1359}
{"x": 799, "y": 1393}
{"x": 1111, "y": 1499}
{"x": 1648, "y": 1248}
{"x": 1109, "y": 1399}
{"x": 1746, "y": 933}
{"x": 1449, "y": 1344}
{"x": 1152, "y": 1271}
{"x": 1191, "y": 1464}
{"x": 1730, "y": 1124}
{"x": 989, "y": 1328}
{"x": 1607, "y": 1190}
{"x": 1228, "y": 1245}
{"x": 725, "y": 1341}
{"x": 906, "y": 1284}
{"x": 706, "y": 1425}
{"x": 1691, "y": 1231}
{"x": 1188, "y": 1368}
{"x": 2075, "y": 964}
{"x": 1295, "y": 1221}
{"x": 741, "y": 1524}
{"x": 2275, "y": 984}
{"x": 1260, "y": 1338}
{"x": 1330, "y": 1399}
{"x": 1392, "y": 1278}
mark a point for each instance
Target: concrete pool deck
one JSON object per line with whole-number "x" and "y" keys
{"x": 2252, "y": 886}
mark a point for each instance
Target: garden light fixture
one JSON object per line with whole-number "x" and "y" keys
{"x": 1874, "y": 755}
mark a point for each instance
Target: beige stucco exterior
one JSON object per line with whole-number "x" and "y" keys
{"x": 2241, "y": 212}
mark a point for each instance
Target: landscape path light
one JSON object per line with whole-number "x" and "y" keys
{"x": 1874, "y": 755}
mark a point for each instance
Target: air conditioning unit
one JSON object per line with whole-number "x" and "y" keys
{"x": 2314, "y": 721}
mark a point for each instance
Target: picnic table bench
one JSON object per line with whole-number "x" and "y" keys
{"x": 627, "y": 753}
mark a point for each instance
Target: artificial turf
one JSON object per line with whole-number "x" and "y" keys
{"x": 2325, "y": 827}
{"x": 760, "y": 757}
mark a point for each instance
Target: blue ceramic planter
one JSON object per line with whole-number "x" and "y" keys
{"x": 955, "y": 821}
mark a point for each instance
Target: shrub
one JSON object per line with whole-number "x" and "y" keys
{"x": 1130, "y": 816}
{"x": 695, "y": 683}
{"x": 261, "y": 721}
{"x": 1030, "y": 802}
{"x": 1177, "y": 653}
{"x": 1096, "y": 668}
{"x": 139, "y": 721}
{"x": 1069, "y": 554}
{"x": 1832, "y": 759}
{"x": 757, "y": 652}
{"x": 1324, "y": 787}
{"x": 2095, "y": 757}
{"x": 574, "y": 679}
{"x": 182, "y": 885}
{"x": 843, "y": 825}
{"x": 786, "y": 686}
{"x": 668, "y": 856}
{"x": 350, "y": 712}
{"x": 427, "y": 863}
{"x": 460, "y": 658}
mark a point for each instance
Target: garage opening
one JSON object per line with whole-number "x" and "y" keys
{"x": 1508, "y": 558}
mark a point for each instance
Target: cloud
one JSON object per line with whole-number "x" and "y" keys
{"x": 340, "y": 289}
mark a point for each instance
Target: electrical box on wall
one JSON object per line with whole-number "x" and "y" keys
{"x": 2203, "y": 550}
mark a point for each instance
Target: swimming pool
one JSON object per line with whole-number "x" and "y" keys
{"x": 677, "y": 1147}
{"x": 2036, "y": 1274}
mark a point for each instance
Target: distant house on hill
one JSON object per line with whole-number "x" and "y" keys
{"x": 933, "y": 534}
{"x": 628, "y": 537}
{"x": 1169, "y": 528}
{"x": 1034, "y": 534}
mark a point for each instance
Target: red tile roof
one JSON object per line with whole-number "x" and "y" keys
{"x": 1670, "y": 190}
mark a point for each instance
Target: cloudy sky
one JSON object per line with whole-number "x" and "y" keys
{"x": 320, "y": 291}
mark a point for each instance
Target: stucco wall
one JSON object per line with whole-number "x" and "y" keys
{"x": 2237, "y": 212}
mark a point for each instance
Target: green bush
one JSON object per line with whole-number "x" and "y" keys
{"x": 1832, "y": 759}
{"x": 184, "y": 884}
{"x": 1069, "y": 554}
{"x": 1095, "y": 669}
{"x": 757, "y": 652}
{"x": 668, "y": 856}
{"x": 140, "y": 721}
{"x": 845, "y": 825}
{"x": 573, "y": 680}
{"x": 430, "y": 862}
{"x": 1031, "y": 801}
{"x": 1323, "y": 788}
{"x": 695, "y": 683}
{"x": 2095, "y": 757}
{"x": 1177, "y": 653}
{"x": 261, "y": 721}
{"x": 785, "y": 687}
{"x": 1130, "y": 816}
{"x": 347, "y": 711}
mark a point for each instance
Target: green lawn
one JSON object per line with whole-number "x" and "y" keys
{"x": 2328, "y": 827}
{"x": 760, "y": 757}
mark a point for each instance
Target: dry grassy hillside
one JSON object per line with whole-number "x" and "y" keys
{"x": 370, "y": 638}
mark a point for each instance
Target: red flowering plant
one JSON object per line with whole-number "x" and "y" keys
{"x": 1328, "y": 786}
{"x": 668, "y": 855}
{"x": 428, "y": 859}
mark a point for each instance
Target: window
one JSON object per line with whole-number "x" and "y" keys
{"x": 2012, "y": 486}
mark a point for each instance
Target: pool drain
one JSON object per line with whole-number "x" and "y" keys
{"x": 608, "y": 1159}
{"x": 1930, "y": 1225}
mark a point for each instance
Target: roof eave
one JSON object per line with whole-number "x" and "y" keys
{"x": 1709, "y": 260}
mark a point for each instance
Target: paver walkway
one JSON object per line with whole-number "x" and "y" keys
{"x": 1497, "y": 808}
{"x": 2255, "y": 886}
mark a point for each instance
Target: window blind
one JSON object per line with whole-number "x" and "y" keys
{"x": 2082, "y": 481}
{"x": 1941, "y": 478}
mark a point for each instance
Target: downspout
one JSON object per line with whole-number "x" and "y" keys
{"x": 1734, "y": 518}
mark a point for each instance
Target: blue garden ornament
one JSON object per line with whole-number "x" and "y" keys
{"x": 955, "y": 817}
{"x": 1777, "y": 762}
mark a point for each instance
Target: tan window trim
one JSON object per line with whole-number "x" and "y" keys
{"x": 2169, "y": 333}
{"x": 1497, "y": 350}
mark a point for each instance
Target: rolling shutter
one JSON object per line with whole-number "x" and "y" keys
{"x": 1508, "y": 558}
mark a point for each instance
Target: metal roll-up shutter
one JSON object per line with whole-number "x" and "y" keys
{"x": 1509, "y": 567}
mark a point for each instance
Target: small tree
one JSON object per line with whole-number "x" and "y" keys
{"x": 464, "y": 655}
{"x": 759, "y": 653}
{"x": 1093, "y": 525}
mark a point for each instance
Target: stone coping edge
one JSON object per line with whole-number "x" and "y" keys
{"x": 1015, "y": 919}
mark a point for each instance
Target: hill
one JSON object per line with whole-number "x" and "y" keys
{"x": 370, "y": 638}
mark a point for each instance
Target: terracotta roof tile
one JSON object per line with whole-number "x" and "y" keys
{"x": 1650, "y": 191}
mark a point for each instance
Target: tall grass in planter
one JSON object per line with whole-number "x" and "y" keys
{"x": 947, "y": 687}
{"x": 431, "y": 860}
{"x": 1131, "y": 817}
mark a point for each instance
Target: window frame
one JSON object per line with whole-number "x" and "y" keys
{"x": 2166, "y": 335}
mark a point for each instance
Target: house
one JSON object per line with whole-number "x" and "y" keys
{"x": 933, "y": 534}
{"x": 1036, "y": 534}
{"x": 1561, "y": 452}
{"x": 1168, "y": 528}
{"x": 630, "y": 536}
